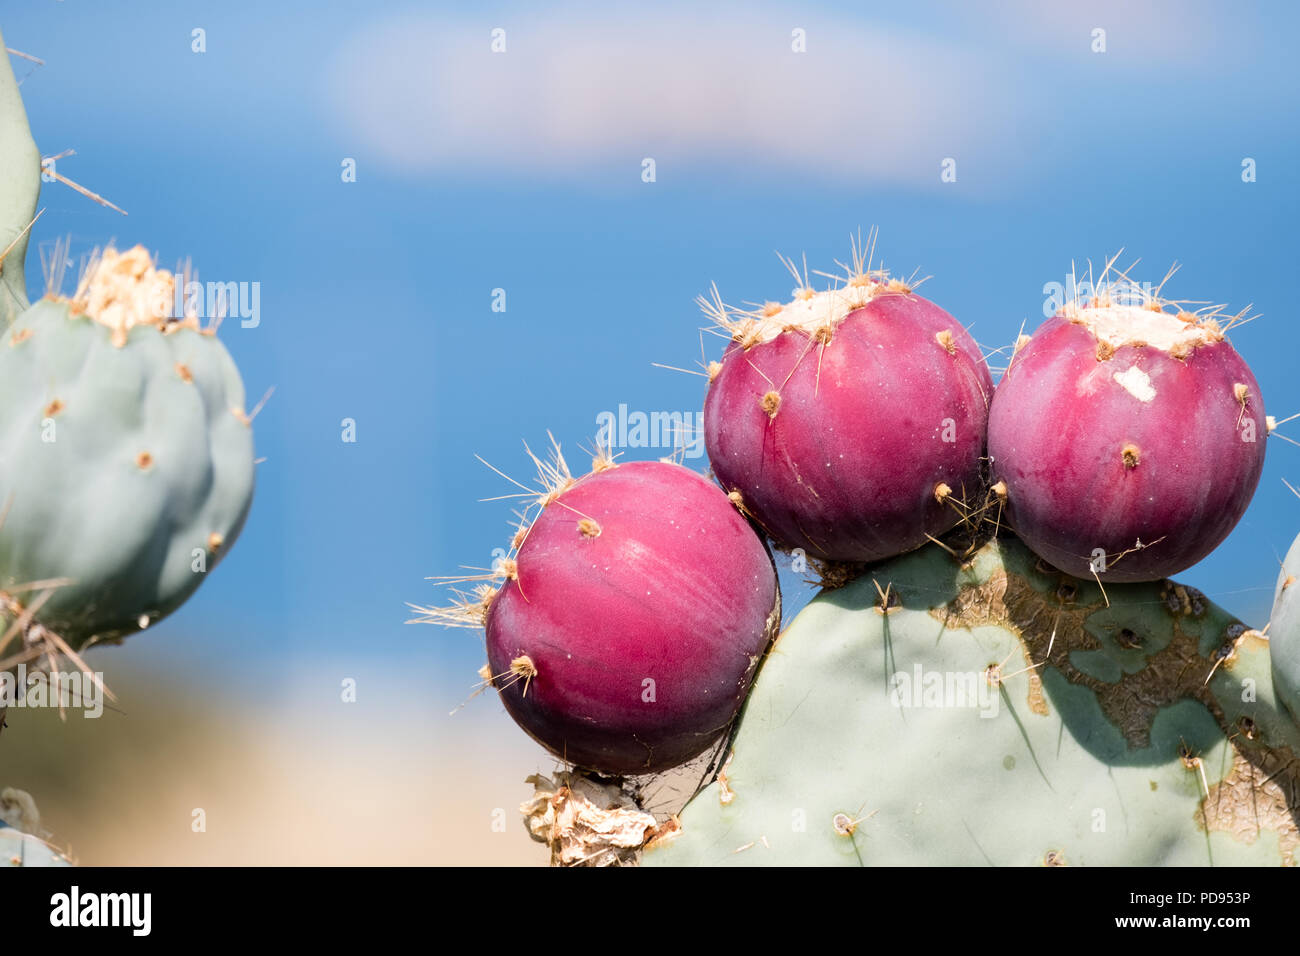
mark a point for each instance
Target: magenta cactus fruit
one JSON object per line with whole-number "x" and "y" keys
{"x": 849, "y": 422}
{"x": 631, "y": 617}
{"x": 1127, "y": 436}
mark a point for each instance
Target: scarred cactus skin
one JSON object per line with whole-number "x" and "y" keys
{"x": 1141, "y": 733}
{"x": 849, "y": 423}
{"x": 126, "y": 456}
{"x": 20, "y": 183}
{"x": 643, "y": 602}
{"x": 1129, "y": 440}
{"x": 1284, "y": 632}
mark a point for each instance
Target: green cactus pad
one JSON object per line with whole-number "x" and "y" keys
{"x": 126, "y": 458}
{"x": 20, "y": 183}
{"x": 1284, "y": 632}
{"x": 22, "y": 849}
{"x": 1147, "y": 733}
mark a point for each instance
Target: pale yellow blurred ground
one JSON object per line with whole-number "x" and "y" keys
{"x": 290, "y": 775}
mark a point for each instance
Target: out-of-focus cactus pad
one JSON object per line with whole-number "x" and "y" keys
{"x": 126, "y": 456}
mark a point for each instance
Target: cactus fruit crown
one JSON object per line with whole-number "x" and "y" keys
{"x": 123, "y": 290}
{"x": 1119, "y": 311}
{"x": 470, "y": 608}
{"x": 810, "y": 311}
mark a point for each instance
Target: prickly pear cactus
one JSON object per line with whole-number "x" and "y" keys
{"x": 126, "y": 454}
{"x": 20, "y": 182}
{"x": 1284, "y": 632}
{"x": 998, "y": 712}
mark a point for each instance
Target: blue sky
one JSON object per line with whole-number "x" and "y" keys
{"x": 523, "y": 171}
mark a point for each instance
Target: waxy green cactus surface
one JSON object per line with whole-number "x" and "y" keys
{"x": 1002, "y": 713}
{"x": 20, "y": 183}
{"x": 1284, "y": 632}
{"x": 126, "y": 455}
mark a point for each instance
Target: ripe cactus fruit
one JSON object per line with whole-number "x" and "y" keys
{"x": 998, "y": 712}
{"x": 19, "y": 187}
{"x": 1284, "y": 632}
{"x": 631, "y": 616}
{"x": 849, "y": 422}
{"x": 126, "y": 456}
{"x": 1127, "y": 437}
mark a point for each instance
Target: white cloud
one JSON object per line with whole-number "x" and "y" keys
{"x": 1181, "y": 34}
{"x": 590, "y": 92}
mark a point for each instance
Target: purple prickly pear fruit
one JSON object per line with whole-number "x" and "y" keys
{"x": 850, "y": 422}
{"x": 1126, "y": 437}
{"x": 632, "y": 616}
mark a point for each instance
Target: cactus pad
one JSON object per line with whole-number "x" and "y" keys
{"x": 1284, "y": 632}
{"x": 19, "y": 186}
{"x": 999, "y": 712}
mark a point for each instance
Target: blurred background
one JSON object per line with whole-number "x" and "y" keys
{"x": 470, "y": 228}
